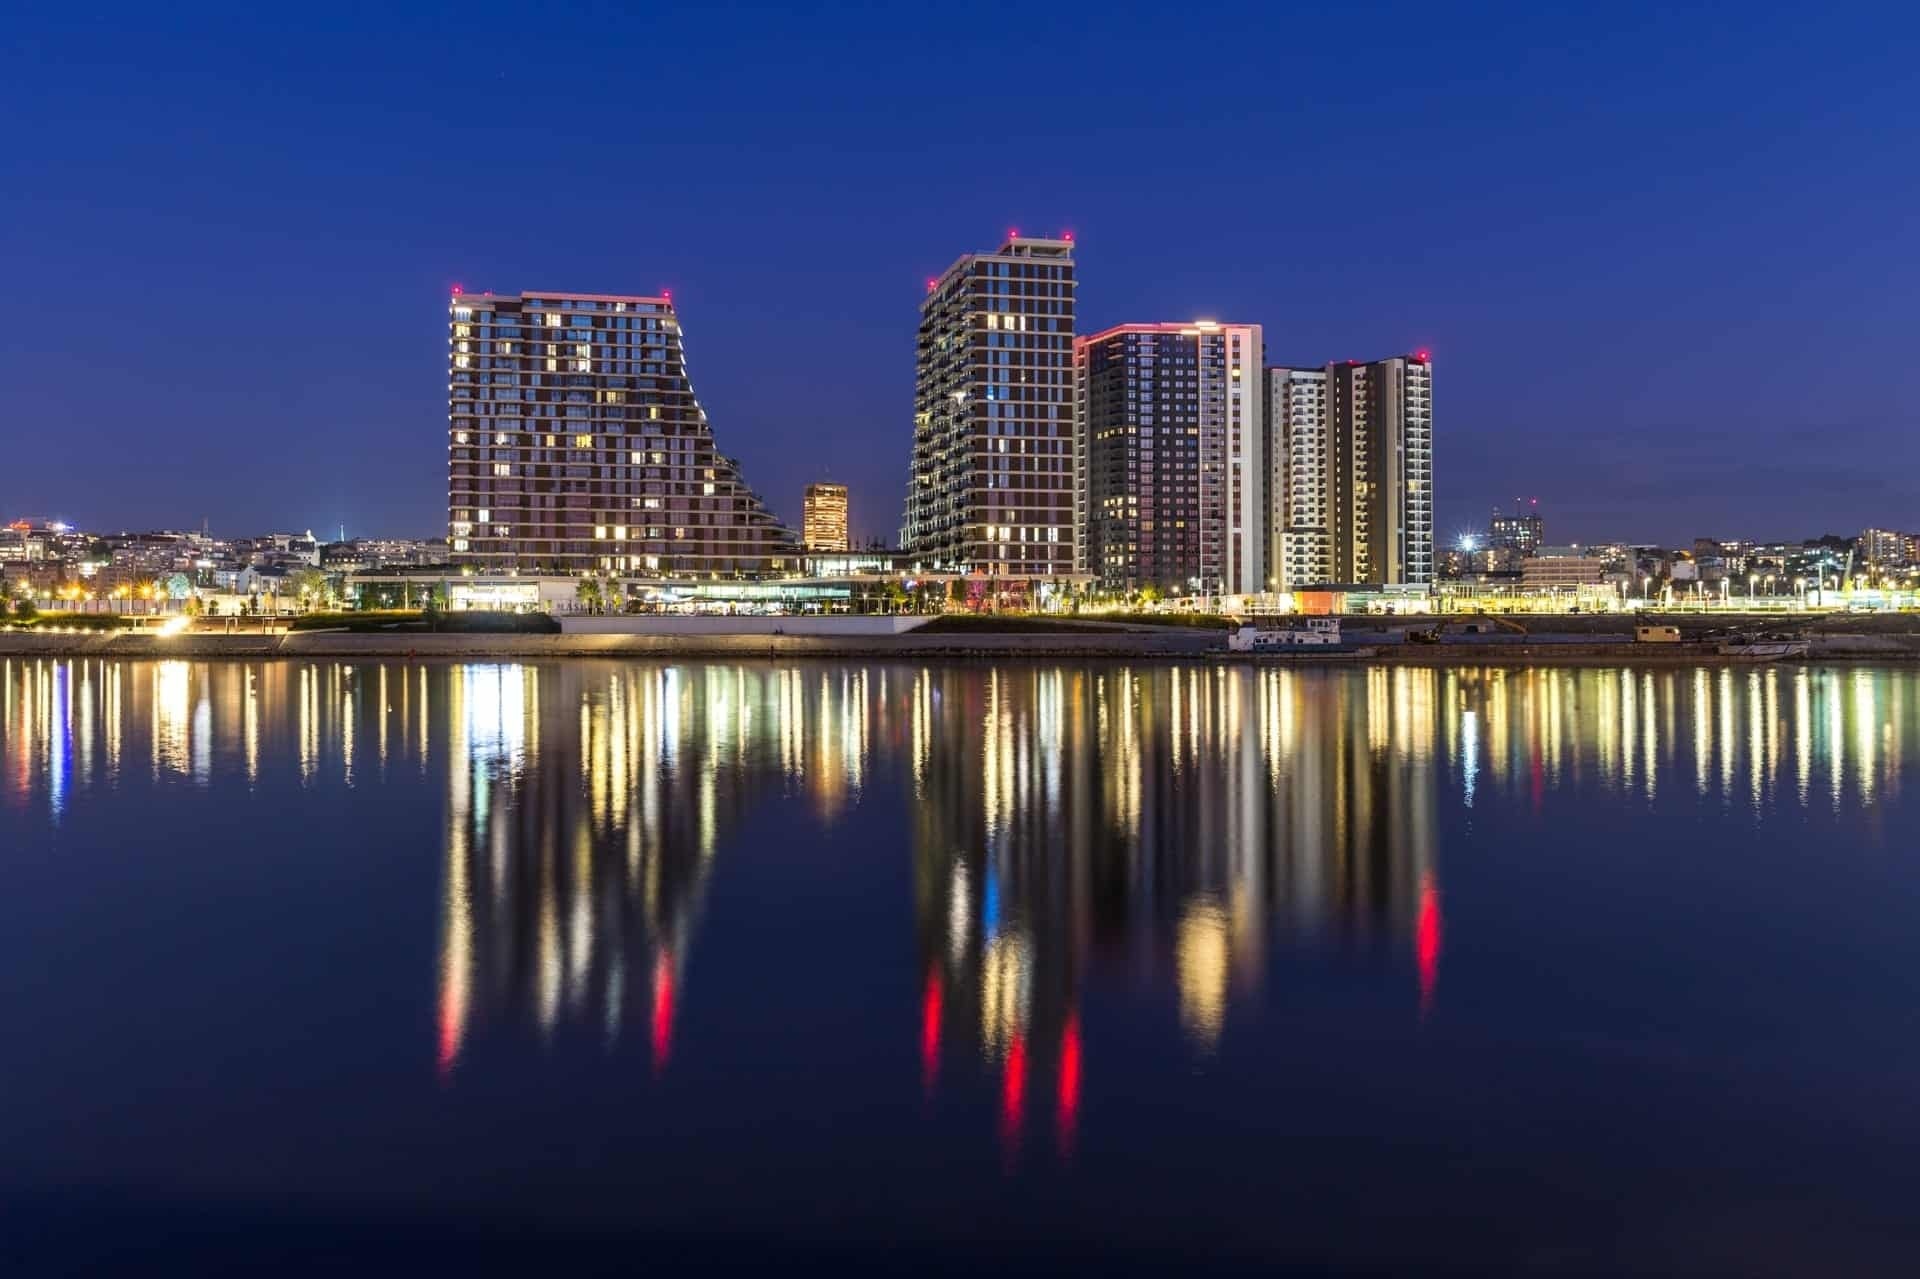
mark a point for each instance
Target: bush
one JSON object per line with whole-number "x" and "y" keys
{"x": 1206, "y": 621}
{"x": 33, "y": 617}
{"x": 477, "y": 622}
{"x": 1000, "y": 624}
{"x": 360, "y": 622}
{"x": 484, "y": 623}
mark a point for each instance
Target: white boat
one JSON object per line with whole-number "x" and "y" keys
{"x": 1317, "y": 632}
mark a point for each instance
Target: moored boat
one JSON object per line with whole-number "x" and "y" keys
{"x": 1317, "y": 634}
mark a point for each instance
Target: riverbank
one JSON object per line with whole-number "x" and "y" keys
{"x": 1167, "y": 643}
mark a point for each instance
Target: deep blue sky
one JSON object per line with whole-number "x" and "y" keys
{"x": 1664, "y": 256}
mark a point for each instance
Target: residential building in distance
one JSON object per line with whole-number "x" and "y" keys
{"x": 1882, "y": 548}
{"x": 1555, "y": 566}
{"x": 1172, "y": 457}
{"x": 1355, "y": 453}
{"x": 1522, "y": 531}
{"x": 991, "y": 486}
{"x": 576, "y": 445}
{"x": 824, "y": 517}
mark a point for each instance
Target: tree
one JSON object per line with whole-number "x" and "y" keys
{"x": 956, "y": 593}
{"x": 588, "y": 593}
{"x": 896, "y": 597}
{"x": 310, "y": 586}
{"x": 1149, "y": 594}
{"x": 24, "y": 610}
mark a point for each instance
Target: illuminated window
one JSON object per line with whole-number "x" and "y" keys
{"x": 501, "y": 468}
{"x": 553, "y": 320}
{"x": 600, "y": 531}
{"x": 708, "y": 490}
{"x": 583, "y": 441}
{"x": 553, "y": 366}
{"x": 619, "y": 532}
{"x": 484, "y": 515}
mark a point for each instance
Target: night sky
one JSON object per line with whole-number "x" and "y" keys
{"x": 1663, "y": 256}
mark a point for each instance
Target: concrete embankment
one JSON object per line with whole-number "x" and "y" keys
{"x": 1167, "y": 643}
{"x": 338, "y": 645}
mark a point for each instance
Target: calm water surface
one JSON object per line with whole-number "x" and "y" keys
{"x": 1562, "y": 970}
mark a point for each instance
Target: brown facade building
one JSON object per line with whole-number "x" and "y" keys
{"x": 575, "y": 444}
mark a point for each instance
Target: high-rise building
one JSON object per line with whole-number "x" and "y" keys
{"x": 1353, "y": 446}
{"x": 1299, "y": 485}
{"x": 991, "y": 487}
{"x": 1524, "y": 530}
{"x": 1171, "y": 457}
{"x": 575, "y": 445}
{"x": 824, "y": 517}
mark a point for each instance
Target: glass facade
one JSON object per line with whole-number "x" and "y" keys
{"x": 991, "y": 487}
{"x": 1169, "y": 457}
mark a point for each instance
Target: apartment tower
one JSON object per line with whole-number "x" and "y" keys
{"x": 1352, "y": 448}
{"x": 575, "y": 445}
{"x": 823, "y": 520}
{"x": 991, "y": 486}
{"x": 1170, "y": 457}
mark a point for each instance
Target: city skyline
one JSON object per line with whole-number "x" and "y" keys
{"x": 1594, "y": 288}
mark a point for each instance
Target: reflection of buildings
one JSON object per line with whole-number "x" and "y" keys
{"x": 584, "y": 811}
{"x": 1154, "y": 822}
{"x": 1166, "y": 825}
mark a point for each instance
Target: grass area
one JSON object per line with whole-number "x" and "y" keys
{"x": 71, "y": 622}
{"x": 361, "y": 622}
{"x": 1205, "y": 621}
{"x": 475, "y": 622}
{"x": 1002, "y": 624}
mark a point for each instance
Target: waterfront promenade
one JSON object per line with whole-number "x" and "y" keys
{"x": 1574, "y": 641}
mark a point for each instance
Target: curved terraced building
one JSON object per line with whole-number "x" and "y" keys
{"x": 575, "y": 444}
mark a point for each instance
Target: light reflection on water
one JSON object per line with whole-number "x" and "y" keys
{"x": 1173, "y": 780}
{"x": 1165, "y": 827}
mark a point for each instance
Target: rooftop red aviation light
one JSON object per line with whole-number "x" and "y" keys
{"x": 1423, "y": 355}
{"x": 456, "y": 290}
{"x": 1013, "y": 233}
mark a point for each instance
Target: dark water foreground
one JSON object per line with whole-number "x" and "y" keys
{"x": 627, "y": 967}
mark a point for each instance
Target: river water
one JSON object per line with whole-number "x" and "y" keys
{"x": 967, "y": 964}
